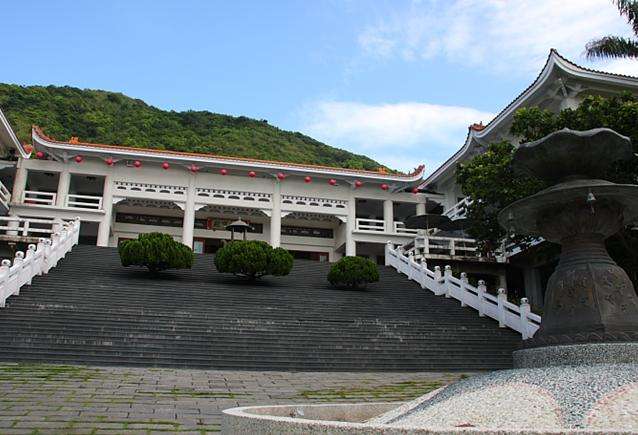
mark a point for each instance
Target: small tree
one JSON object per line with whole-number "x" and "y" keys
{"x": 156, "y": 251}
{"x": 353, "y": 272}
{"x": 252, "y": 259}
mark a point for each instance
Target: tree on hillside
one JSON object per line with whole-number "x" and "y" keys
{"x": 489, "y": 179}
{"x": 617, "y": 46}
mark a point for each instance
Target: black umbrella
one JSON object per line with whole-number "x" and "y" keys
{"x": 455, "y": 225}
{"x": 426, "y": 221}
{"x": 431, "y": 205}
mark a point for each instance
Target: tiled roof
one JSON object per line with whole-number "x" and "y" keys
{"x": 75, "y": 142}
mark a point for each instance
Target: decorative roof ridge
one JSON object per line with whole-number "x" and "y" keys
{"x": 76, "y": 142}
{"x": 473, "y": 132}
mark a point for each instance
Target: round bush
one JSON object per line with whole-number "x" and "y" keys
{"x": 253, "y": 259}
{"x": 353, "y": 272}
{"x": 156, "y": 251}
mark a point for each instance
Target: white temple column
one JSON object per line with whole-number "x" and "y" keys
{"x": 275, "y": 217}
{"x": 420, "y": 208}
{"x": 63, "y": 187}
{"x": 188, "y": 224}
{"x": 20, "y": 182}
{"x": 351, "y": 245}
{"x": 388, "y": 216}
{"x": 104, "y": 228}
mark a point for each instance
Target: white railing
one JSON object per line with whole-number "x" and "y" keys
{"x": 15, "y": 227}
{"x": 84, "y": 201}
{"x": 39, "y": 198}
{"x": 378, "y": 226}
{"x": 372, "y": 225}
{"x": 38, "y": 260}
{"x": 5, "y": 196}
{"x": 426, "y": 245}
{"x": 516, "y": 317}
{"x": 459, "y": 210}
{"x": 399, "y": 228}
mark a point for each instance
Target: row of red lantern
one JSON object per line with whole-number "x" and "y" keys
{"x": 252, "y": 174}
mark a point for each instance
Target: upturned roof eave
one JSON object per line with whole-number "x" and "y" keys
{"x": 185, "y": 158}
{"x": 12, "y": 138}
{"x": 554, "y": 60}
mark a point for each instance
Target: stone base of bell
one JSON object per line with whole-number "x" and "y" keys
{"x": 577, "y": 354}
{"x": 592, "y": 399}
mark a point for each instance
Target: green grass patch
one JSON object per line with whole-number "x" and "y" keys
{"x": 400, "y": 390}
{"x": 46, "y": 372}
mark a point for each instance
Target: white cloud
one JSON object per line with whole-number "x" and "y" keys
{"x": 400, "y": 135}
{"x": 498, "y": 35}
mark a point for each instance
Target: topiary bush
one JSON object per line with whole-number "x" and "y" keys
{"x": 156, "y": 251}
{"x": 252, "y": 259}
{"x": 353, "y": 272}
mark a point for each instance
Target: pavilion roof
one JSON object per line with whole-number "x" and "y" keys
{"x": 75, "y": 147}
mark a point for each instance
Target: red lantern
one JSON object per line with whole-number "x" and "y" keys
{"x": 78, "y": 159}
{"x": 384, "y": 186}
{"x": 223, "y": 172}
{"x": 165, "y": 165}
{"x": 281, "y": 176}
{"x": 358, "y": 184}
{"x": 415, "y": 190}
{"x": 109, "y": 161}
{"x": 137, "y": 163}
{"x": 307, "y": 179}
{"x": 39, "y": 155}
{"x": 194, "y": 168}
{"x": 252, "y": 174}
{"x": 332, "y": 182}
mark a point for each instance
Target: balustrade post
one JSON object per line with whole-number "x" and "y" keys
{"x": 481, "y": 290}
{"x": 410, "y": 261}
{"x": 525, "y": 309}
{"x": 18, "y": 263}
{"x": 424, "y": 273}
{"x": 501, "y": 299}
{"x": 30, "y": 259}
{"x": 48, "y": 261}
{"x": 464, "y": 283}
{"x": 388, "y": 249}
{"x": 426, "y": 244}
{"x": 41, "y": 248}
{"x": 4, "y": 281}
{"x": 447, "y": 274}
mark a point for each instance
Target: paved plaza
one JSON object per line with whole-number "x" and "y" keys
{"x": 43, "y": 399}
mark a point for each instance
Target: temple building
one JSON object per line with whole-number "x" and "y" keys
{"x": 119, "y": 192}
{"x": 316, "y": 212}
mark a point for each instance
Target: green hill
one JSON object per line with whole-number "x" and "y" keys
{"x": 114, "y": 118}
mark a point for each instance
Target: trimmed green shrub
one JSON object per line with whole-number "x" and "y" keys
{"x": 253, "y": 259}
{"x": 156, "y": 251}
{"x": 353, "y": 272}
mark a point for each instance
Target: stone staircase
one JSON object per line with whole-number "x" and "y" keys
{"x": 90, "y": 310}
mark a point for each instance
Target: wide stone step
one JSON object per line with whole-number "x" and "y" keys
{"x": 96, "y": 312}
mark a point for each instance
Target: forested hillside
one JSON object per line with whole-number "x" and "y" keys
{"x": 114, "y": 118}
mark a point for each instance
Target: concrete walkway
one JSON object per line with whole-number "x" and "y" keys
{"x": 62, "y": 399}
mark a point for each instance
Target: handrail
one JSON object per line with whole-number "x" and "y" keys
{"x": 38, "y": 260}
{"x": 372, "y": 225}
{"x": 458, "y": 210}
{"x": 517, "y": 317}
{"x": 5, "y": 196}
{"x": 37, "y": 197}
{"x": 84, "y": 201}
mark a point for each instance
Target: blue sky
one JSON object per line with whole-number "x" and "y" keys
{"x": 397, "y": 80}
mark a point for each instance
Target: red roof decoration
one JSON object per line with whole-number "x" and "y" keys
{"x": 38, "y": 131}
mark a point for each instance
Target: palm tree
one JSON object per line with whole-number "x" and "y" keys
{"x": 617, "y": 46}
